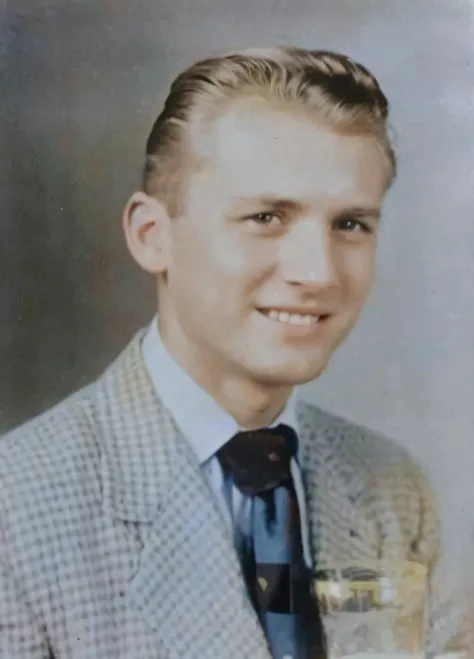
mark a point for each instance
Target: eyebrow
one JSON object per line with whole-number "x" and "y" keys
{"x": 360, "y": 212}
{"x": 289, "y": 205}
{"x": 273, "y": 203}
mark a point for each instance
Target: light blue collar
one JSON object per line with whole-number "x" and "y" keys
{"x": 204, "y": 423}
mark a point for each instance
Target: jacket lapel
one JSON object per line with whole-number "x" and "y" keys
{"x": 187, "y": 584}
{"x": 337, "y": 483}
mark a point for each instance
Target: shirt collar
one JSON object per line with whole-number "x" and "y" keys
{"x": 204, "y": 423}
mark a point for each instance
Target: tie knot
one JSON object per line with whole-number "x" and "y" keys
{"x": 259, "y": 460}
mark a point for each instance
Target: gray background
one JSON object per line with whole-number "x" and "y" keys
{"x": 81, "y": 84}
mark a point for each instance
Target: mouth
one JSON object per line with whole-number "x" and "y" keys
{"x": 294, "y": 318}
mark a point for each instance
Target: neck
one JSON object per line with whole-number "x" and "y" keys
{"x": 252, "y": 404}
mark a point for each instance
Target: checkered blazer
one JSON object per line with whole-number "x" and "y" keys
{"x": 112, "y": 545}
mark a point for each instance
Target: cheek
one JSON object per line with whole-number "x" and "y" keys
{"x": 359, "y": 271}
{"x": 208, "y": 246}
{"x": 218, "y": 263}
{"x": 241, "y": 263}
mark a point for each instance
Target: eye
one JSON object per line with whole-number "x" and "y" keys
{"x": 266, "y": 218}
{"x": 352, "y": 225}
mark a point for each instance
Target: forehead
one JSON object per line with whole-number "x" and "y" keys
{"x": 255, "y": 150}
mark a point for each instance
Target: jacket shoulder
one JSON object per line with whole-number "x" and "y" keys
{"x": 57, "y": 447}
{"x": 358, "y": 443}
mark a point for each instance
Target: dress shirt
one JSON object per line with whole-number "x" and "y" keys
{"x": 207, "y": 427}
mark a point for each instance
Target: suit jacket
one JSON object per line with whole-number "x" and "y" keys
{"x": 112, "y": 545}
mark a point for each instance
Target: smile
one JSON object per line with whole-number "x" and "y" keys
{"x": 291, "y": 318}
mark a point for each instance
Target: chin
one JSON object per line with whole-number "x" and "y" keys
{"x": 291, "y": 374}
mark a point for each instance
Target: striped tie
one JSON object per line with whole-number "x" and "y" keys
{"x": 278, "y": 580}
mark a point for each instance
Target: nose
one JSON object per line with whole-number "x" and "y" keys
{"x": 308, "y": 257}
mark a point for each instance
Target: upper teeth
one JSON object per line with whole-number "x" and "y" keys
{"x": 293, "y": 318}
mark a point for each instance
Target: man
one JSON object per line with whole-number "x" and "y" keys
{"x": 126, "y": 531}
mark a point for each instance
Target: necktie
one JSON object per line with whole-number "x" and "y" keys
{"x": 278, "y": 580}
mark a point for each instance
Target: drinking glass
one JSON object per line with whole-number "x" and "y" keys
{"x": 373, "y": 612}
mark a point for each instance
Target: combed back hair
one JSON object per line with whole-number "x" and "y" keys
{"x": 324, "y": 85}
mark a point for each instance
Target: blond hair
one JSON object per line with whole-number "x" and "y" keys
{"x": 328, "y": 85}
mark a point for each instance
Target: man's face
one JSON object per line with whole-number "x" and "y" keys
{"x": 273, "y": 256}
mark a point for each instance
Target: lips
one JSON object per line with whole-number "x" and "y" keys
{"x": 293, "y": 318}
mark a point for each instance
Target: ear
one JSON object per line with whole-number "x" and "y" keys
{"x": 146, "y": 228}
